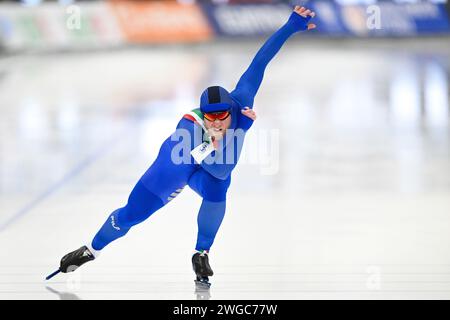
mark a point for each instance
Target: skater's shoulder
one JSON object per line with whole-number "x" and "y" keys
{"x": 195, "y": 116}
{"x": 195, "y": 113}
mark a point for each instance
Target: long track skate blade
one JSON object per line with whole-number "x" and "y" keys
{"x": 52, "y": 275}
{"x": 202, "y": 284}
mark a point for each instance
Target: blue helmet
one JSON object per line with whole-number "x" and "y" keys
{"x": 215, "y": 99}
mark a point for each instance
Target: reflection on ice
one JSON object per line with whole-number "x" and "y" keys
{"x": 63, "y": 295}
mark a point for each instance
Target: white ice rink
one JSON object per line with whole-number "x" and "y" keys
{"x": 343, "y": 190}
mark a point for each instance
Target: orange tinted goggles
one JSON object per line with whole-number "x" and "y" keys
{"x": 217, "y": 115}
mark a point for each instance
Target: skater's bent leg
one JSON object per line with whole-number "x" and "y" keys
{"x": 141, "y": 204}
{"x": 209, "y": 220}
{"x": 213, "y": 207}
{"x": 109, "y": 232}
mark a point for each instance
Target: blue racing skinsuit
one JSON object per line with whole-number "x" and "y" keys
{"x": 166, "y": 178}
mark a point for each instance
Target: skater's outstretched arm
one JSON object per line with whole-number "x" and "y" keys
{"x": 249, "y": 83}
{"x": 248, "y": 86}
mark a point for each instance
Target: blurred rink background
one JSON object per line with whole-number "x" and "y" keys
{"x": 343, "y": 190}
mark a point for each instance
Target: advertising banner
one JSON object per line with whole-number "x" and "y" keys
{"x": 101, "y": 24}
{"x": 160, "y": 21}
{"x": 333, "y": 19}
{"x": 391, "y": 19}
{"x": 246, "y": 20}
{"x": 53, "y": 26}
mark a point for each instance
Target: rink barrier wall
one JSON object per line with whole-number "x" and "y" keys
{"x": 104, "y": 24}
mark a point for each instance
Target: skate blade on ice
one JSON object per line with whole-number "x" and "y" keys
{"x": 202, "y": 284}
{"x": 52, "y": 275}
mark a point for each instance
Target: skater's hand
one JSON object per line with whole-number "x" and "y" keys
{"x": 249, "y": 113}
{"x": 300, "y": 18}
{"x": 215, "y": 144}
{"x": 215, "y": 137}
{"x": 247, "y": 118}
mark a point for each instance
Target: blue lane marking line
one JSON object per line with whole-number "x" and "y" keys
{"x": 107, "y": 146}
{"x": 44, "y": 195}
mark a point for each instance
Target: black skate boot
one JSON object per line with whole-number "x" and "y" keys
{"x": 202, "y": 269}
{"x": 75, "y": 259}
